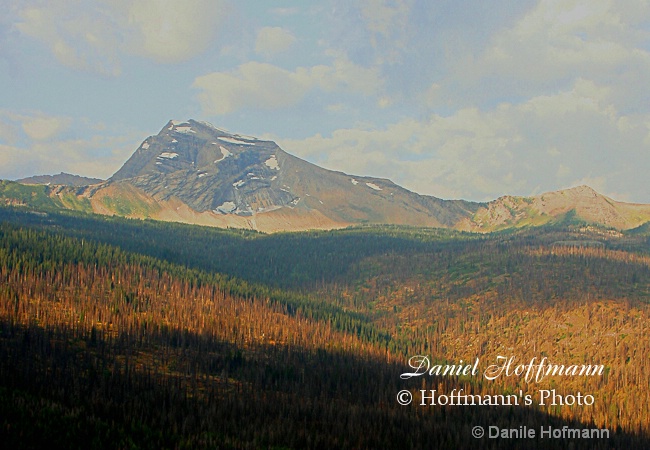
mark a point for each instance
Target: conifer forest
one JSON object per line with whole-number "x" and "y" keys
{"x": 119, "y": 333}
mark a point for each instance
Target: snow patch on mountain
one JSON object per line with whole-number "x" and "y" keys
{"x": 272, "y": 163}
{"x": 184, "y": 130}
{"x": 224, "y": 152}
{"x": 226, "y": 207}
{"x": 234, "y": 141}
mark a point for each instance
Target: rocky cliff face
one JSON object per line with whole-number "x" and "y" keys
{"x": 209, "y": 169}
{"x": 216, "y": 173}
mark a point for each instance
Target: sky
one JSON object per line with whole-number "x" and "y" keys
{"x": 470, "y": 100}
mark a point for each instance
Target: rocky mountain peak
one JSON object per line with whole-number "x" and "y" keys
{"x": 580, "y": 191}
{"x": 192, "y": 171}
{"x": 192, "y": 126}
{"x": 198, "y": 172}
{"x": 208, "y": 169}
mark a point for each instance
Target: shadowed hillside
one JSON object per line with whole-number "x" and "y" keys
{"x": 104, "y": 348}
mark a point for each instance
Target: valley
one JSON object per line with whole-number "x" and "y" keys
{"x": 218, "y": 292}
{"x": 168, "y": 335}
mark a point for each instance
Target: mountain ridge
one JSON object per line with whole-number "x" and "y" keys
{"x": 194, "y": 172}
{"x": 582, "y": 202}
{"x": 60, "y": 179}
{"x": 199, "y": 173}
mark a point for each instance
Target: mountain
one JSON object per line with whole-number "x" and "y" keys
{"x": 193, "y": 172}
{"x": 62, "y": 179}
{"x": 197, "y": 173}
{"x": 580, "y": 203}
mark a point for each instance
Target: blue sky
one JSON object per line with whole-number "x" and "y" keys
{"x": 454, "y": 99}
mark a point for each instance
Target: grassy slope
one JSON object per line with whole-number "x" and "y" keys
{"x": 35, "y": 196}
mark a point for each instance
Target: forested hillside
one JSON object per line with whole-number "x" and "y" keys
{"x": 118, "y": 333}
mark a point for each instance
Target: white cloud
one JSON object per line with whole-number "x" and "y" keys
{"x": 387, "y": 24}
{"x": 93, "y": 36}
{"x": 170, "y": 31}
{"x": 76, "y": 35}
{"x": 554, "y": 44}
{"x": 43, "y": 128}
{"x": 37, "y": 146}
{"x": 544, "y": 143}
{"x": 93, "y": 157}
{"x": 265, "y": 86}
{"x": 344, "y": 76}
{"x": 272, "y": 40}
{"x": 35, "y": 125}
{"x": 562, "y": 38}
{"x": 97, "y": 156}
{"x": 378, "y": 32}
{"x": 252, "y": 85}
{"x": 469, "y": 101}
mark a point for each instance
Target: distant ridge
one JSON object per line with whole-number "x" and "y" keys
{"x": 580, "y": 203}
{"x": 61, "y": 179}
{"x": 194, "y": 172}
